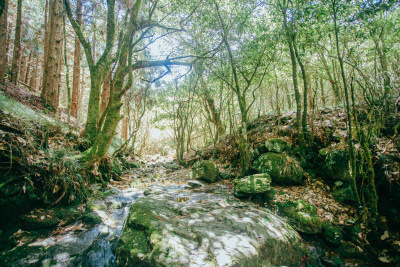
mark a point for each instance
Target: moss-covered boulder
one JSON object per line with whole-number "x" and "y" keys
{"x": 284, "y": 170}
{"x": 342, "y": 192}
{"x": 276, "y": 145}
{"x": 205, "y": 170}
{"x": 256, "y": 187}
{"x": 332, "y": 235}
{"x": 218, "y": 231}
{"x": 303, "y": 216}
{"x": 335, "y": 163}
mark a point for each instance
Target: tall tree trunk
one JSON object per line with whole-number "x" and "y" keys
{"x": 17, "y": 45}
{"x": 51, "y": 74}
{"x": 46, "y": 33}
{"x": 289, "y": 38}
{"x": 3, "y": 43}
{"x": 305, "y": 90}
{"x": 349, "y": 118}
{"x": 28, "y": 69}
{"x": 77, "y": 65}
{"x": 33, "y": 80}
{"x": 322, "y": 92}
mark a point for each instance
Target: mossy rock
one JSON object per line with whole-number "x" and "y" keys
{"x": 256, "y": 187}
{"x": 253, "y": 184}
{"x": 91, "y": 218}
{"x": 332, "y": 235}
{"x": 276, "y": 145}
{"x": 343, "y": 193}
{"x": 303, "y": 215}
{"x": 161, "y": 231}
{"x": 284, "y": 170}
{"x": 335, "y": 164}
{"x": 205, "y": 170}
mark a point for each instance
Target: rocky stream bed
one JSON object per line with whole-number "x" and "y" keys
{"x": 157, "y": 216}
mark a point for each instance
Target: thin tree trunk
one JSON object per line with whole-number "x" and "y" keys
{"x": 3, "y": 43}
{"x": 305, "y": 90}
{"x": 22, "y": 66}
{"x": 67, "y": 74}
{"x": 28, "y": 69}
{"x": 349, "y": 119}
{"x": 294, "y": 77}
{"x": 322, "y": 92}
{"x": 33, "y": 80}
{"x": 17, "y": 45}
{"x": 77, "y": 65}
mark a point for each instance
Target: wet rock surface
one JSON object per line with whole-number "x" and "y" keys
{"x": 195, "y": 228}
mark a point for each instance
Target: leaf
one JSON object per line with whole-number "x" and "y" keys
{"x": 385, "y": 235}
{"x": 384, "y": 259}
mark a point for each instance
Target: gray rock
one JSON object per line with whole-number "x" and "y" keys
{"x": 216, "y": 231}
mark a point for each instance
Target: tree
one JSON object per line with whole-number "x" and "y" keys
{"x": 100, "y": 128}
{"x": 52, "y": 61}
{"x": 77, "y": 65}
{"x": 290, "y": 39}
{"x": 241, "y": 88}
{"x": 3, "y": 41}
{"x": 17, "y": 45}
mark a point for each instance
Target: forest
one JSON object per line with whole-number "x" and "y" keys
{"x": 199, "y": 133}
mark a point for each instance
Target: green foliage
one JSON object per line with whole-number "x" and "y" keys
{"x": 66, "y": 179}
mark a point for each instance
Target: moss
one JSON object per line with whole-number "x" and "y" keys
{"x": 91, "y": 218}
{"x": 205, "y": 170}
{"x": 276, "y": 145}
{"x": 11, "y": 257}
{"x": 335, "y": 164}
{"x": 253, "y": 184}
{"x": 283, "y": 169}
{"x": 332, "y": 235}
{"x": 343, "y": 193}
{"x": 303, "y": 215}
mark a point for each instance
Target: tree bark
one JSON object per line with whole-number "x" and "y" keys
{"x": 17, "y": 45}
{"x": 52, "y": 70}
{"x": 305, "y": 90}
{"x": 33, "y": 80}
{"x": 349, "y": 118}
{"x": 77, "y": 65}
{"x": 105, "y": 94}
{"x": 3, "y": 43}
{"x": 28, "y": 69}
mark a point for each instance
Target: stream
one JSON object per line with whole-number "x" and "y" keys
{"x": 95, "y": 246}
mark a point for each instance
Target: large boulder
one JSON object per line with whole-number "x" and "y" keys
{"x": 205, "y": 230}
{"x": 303, "y": 216}
{"x": 284, "y": 170}
{"x": 205, "y": 170}
{"x": 335, "y": 163}
{"x": 276, "y": 145}
{"x": 256, "y": 187}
